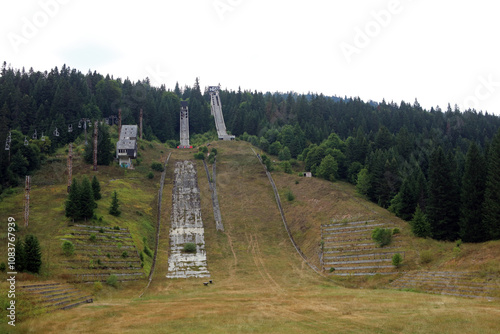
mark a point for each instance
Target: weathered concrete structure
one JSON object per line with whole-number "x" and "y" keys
{"x": 184, "y": 125}
{"x": 186, "y": 225}
{"x": 216, "y": 110}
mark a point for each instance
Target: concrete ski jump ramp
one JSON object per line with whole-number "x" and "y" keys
{"x": 217, "y": 113}
{"x": 187, "y": 225}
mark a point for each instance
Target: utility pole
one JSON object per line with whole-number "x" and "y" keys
{"x": 27, "y": 201}
{"x": 140, "y": 125}
{"x": 85, "y": 121}
{"x": 70, "y": 165}
{"x": 119, "y": 122}
{"x": 95, "y": 146}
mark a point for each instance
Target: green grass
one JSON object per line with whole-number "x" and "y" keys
{"x": 260, "y": 284}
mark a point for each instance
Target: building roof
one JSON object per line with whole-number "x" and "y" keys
{"x": 126, "y": 144}
{"x": 128, "y": 131}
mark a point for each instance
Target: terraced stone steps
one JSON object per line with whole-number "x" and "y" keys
{"x": 93, "y": 262}
{"x": 49, "y": 297}
{"x": 460, "y": 284}
{"x": 348, "y": 248}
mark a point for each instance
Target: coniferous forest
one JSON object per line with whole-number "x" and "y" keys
{"x": 437, "y": 169}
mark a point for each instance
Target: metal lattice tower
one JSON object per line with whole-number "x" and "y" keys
{"x": 27, "y": 188}
{"x": 95, "y": 145}
{"x": 70, "y": 165}
{"x": 140, "y": 125}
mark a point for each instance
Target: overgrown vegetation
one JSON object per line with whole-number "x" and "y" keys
{"x": 189, "y": 247}
{"x": 382, "y": 236}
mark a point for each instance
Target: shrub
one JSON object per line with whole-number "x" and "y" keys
{"x": 157, "y": 166}
{"x": 382, "y": 236}
{"x": 211, "y": 159}
{"x": 97, "y": 286}
{"x": 68, "y": 248}
{"x": 116, "y": 228}
{"x": 124, "y": 255}
{"x": 199, "y": 156}
{"x": 101, "y": 230}
{"x": 213, "y": 151}
{"x": 332, "y": 269}
{"x": 203, "y": 149}
{"x": 395, "y": 231}
{"x": 3, "y": 267}
{"x": 189, "y": 248}
{"x": 396, "y": 260}
{"x": 150, "y": 175}
{"x": 92, "y": 237}
{"x": 426, "y": 256}
{"x": 147, "y": 251}
{"x": 289, "y": 196}
{"x": 112, "y": 280}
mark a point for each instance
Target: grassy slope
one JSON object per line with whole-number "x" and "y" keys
{"x": 260, "y": 283}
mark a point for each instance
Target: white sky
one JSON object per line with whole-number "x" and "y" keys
{"x": 439, "y": 52}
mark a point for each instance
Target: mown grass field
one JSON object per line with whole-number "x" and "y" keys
{"x": 261, "y": 285}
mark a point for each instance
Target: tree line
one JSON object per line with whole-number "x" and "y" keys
{"x": 401, "y": 156}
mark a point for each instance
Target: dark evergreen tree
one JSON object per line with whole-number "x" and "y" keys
{"x": 72, "y": 205}
{"x": 114, "y": 208}
{"x": 420, "y": 226}
{"x": 442, "y": 207}
{"x": 87, "y": 202}
{"x": 491, "y": 208}
{"x": 33, "y": 254}
{"x": 105, "y": 147}
{"x": 96, "y": 188}
{"x": 20, "y": 256}
{"x": 472, "y": 197}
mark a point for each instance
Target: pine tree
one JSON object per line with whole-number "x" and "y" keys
{"x": 113, "y": 210}
{"x": 73, "y": 201}
{"x": 20, "y": 256}
{"x": 472, "y": 197}
{"x": 443, "y": 206}
{"x": 96, "y": 188}
{"x": 420, "y": 225}
{"x": 87, "y": 203}
{"x": 492, "y": 194}
{"x": 33, "y": 254}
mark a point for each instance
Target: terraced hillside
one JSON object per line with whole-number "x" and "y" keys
{"x": 260, "y": 283}
{"x": 102, "y": 251}
{"x": 348, "y": 248}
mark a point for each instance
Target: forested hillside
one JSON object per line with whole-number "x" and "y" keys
{"x": 443, "y": 165}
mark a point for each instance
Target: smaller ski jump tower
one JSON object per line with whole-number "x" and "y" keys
{"x": 217, "y": 113}
{"x": 184, "y": 126}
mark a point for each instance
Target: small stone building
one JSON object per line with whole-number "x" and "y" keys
{"x": 126, "y": 147}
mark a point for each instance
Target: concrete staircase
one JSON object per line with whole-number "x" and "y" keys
{"x": 53, "y": 296}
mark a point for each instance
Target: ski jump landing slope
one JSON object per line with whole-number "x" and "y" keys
{"x": 217, "y": 113}
{"x": 187, "y": 225}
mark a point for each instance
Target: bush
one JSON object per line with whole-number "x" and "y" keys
{"x": 396, "y": 260}
{"x": 395, "y": 231}
{"x": 101, "y": 230}
{"x": 426, "y": 257}
{"x": 213, "y": 151}
{"x": 332, "y": 269}
{"x": 68, "y": 248}
{"x": 157, "y": 166}
{"x": 199, "y": 156}
{"x": 147, "y": 251}
{"x": 124, "y": 255}
{"x": 189, "y": 248}
{"x": 289, "y": 196}
{"x": 92, "y": 237}
{"x": 112, "y": 280}
{"x": 150, "y": 175}
{"x": 382, "y": 236}
{"x": 203, "y": 149}
{"x": 97, "y": 286}
{"x": 3, "y": 267}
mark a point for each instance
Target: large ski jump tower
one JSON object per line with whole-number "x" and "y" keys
{"x": 184, "y": 125}
{"x": 217, "y": 113}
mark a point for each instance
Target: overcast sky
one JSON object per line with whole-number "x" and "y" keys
{"x": 439, "y": 52}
